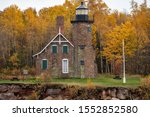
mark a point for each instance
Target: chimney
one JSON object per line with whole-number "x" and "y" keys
{"x": 60, "y": 24}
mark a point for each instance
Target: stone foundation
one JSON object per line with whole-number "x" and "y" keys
{"x": 68, "y": 92}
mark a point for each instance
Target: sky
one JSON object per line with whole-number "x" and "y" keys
{"x": 120, "y": 5}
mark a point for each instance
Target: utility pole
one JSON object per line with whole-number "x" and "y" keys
{"x": 123, "y": 58}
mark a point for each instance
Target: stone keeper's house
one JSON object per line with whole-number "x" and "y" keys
{"x": 62, "y": 57}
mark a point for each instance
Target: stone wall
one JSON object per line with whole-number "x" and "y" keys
{"x": 82, "y": 39}
{"x": 69, "y": 92}
{"x": 55, "y": 61}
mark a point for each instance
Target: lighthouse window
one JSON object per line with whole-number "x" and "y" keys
{"x": 89, "y": 28}
{"x": 86, "y": 12}
{"x": 82, "y": 62}
{"x": 79, "y": 12}
{"x": 82, "y": 47}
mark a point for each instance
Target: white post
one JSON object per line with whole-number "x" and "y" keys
{"x": 123, "y": 57}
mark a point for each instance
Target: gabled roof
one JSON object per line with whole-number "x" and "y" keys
{"x": 56, "y": 39}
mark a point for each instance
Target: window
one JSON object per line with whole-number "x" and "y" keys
{"x": 82, "y": 47}
{"x": 44, "y": 64}
{"x": 89, "y": 29}
{"x": 54, "y": 49}
{"x": 65, "y": 65}
{"x": 65, "y": 49}
{"x": 82, "y": 62}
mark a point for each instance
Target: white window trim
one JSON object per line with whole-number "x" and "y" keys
{"x": 52, "y": 47}
{"x": 42, "y": 64}
{"x": 65, "y": 72}
{"x": 63, "y": 47}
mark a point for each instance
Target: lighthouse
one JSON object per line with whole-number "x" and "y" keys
{"x": 84, "y": 54}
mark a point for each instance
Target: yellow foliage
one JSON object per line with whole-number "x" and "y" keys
{"x": 90, "y": 84}
{"x": 14, "y": 60}
{"x": 113, "y": 44}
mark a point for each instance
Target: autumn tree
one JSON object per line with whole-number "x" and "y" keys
{"x": 23, "y": 33}
{"x": 14, "y": 61}
{"x": 113, "y": 45}
{"x": 32, "y": 33}
{"x": 11, "y": 34}
{"x": 141, "y": 21}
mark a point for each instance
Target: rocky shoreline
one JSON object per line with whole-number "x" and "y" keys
{"x": 68, "y": 92}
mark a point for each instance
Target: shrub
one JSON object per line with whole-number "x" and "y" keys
{"x": 73, "y": 91}
{"x": 146, "y": 82}
{"x": 11, "y": 71}
{"x": 90, "y": 84}
{"x": 21, "y": 77}
{"x": 44, "y": 77}
{"x": 15, "y": 72}
{"x": 32, "y": 71}
{"x": 6, "y": 71}
{"x": 38, "y": 78}
{"x": 145, "y": 86}
{"x": 33, "y": 96}
{"x": 8, "y": 74}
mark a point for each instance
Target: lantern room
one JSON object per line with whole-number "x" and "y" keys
{"x": 82, "y": 13}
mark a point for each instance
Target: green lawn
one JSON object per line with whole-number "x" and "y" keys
{"x": 102, "y": 80}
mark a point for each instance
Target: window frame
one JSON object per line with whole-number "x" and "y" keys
{"x": 65, "y": 70}
{"x": 82, "y": 47}
{"x": 52, "y": 48}
{"x": 82, "y": 62}
{"x": 63, "y": 49}
{"x": 42, "y": 64}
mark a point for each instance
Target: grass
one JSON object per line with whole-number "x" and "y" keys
{"x": 18, "y": 82}
{"x": 101, "y": 80}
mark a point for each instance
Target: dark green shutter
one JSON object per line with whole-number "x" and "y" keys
{"x": 54, "y": 49}
{"x": 65, "y": 49}
{"x": 44, "y": 64}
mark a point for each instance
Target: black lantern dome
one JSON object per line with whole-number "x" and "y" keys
{"x": 82, "y": 13}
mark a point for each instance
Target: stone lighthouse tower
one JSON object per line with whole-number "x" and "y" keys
{"x": 84, "y": 57}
